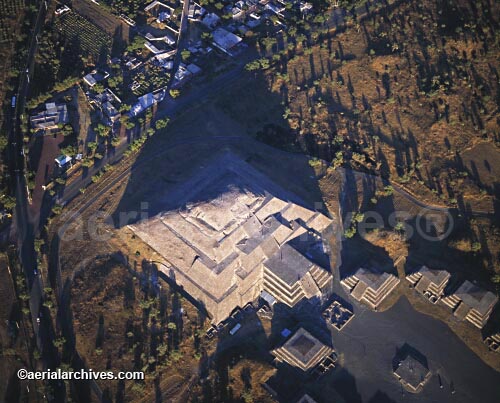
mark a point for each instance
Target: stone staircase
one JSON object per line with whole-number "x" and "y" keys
{"x": 350, "y": 282}
{"x": 451, "y": 301}
{"x": 414, "y": 278}
{"x": 375, "y": 298}
{"x": 321, "y": 277}
{"x": 476, "y": 318}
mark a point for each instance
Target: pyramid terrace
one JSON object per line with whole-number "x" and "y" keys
{"x": 229, "y": 233}
{"x": 472, "y": 303}
{"x": 370, "y": 286}
{"x": 302, "y": 350}
{"x": 430, "y": 283}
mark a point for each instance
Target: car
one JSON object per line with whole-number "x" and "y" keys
{"x": 35, "y": 272}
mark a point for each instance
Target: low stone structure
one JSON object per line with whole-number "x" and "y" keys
{"x": 229, "y": 233}
{"x": 493, "y": 342}
{"x": 412, "y": 374}
{"x": 337, "y": 315}
{"x": 370, "y": 286}
{"x": 302, "y": 350}
{"x": 429, "y": 282}
{"x": 472, "y": 303}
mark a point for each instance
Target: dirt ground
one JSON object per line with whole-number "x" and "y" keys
{"x": 13, "y": 352}
{"x": 114, "y": 330}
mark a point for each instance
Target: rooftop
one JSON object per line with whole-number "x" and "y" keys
{"x": 225, "y": 39}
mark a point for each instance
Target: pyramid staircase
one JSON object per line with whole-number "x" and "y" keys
{"x": 452, "y": 301}
{"x": 321, "y": 277}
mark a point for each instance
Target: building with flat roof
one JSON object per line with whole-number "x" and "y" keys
{"x": 147, "y": 101}
{"x": 50, "y": 119}
{"x": 412, "y": 374}
{"x": 472, "y": 303}
{"x": 429, "y": 282}
{"x": 63, "y": 160}
{"x": 302, "y": 350}
{"x": 226, "y": 41}
{"x": 211, "y": 20}
{"x": 161, "y": 11}
{"x": 230, "y": 233}
{"x": 370, "y": 286}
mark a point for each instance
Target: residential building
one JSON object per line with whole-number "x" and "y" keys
{"x": 147, "y": 101}
{"x": 161, "y": 11}
{"x": 63, "y": 161}
{"x": 50, "y": 119}
{"x": 211, "y": 20}
{"x": 226, "y": 41}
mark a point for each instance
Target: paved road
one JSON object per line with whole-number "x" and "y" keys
{"x": 23, "y": 227}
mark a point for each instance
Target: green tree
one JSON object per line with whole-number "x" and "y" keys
{"x": 185, "y": 54}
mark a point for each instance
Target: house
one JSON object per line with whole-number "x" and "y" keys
{"x": 63, "y": 160}
{"x": 128, "y": 20}
{"x": 168, "y": 39}
{"x": 302, "y": 350}
{"x": 164, "y": 60}
{"x": 50, "y": 119}
{"x": 147, "y": 101}
{"x": 62, "y": 10}
{"x": 152, "y": 48}
{"x": 412, "y": 374}
{"x": 182, "y": 75}
{"x": 370, "y": 286}
{"x": 95, "y": 76}
{"x": 211, "y": 20}
{"x": 275, "y": 8}
{"x": 226, "y": 41}
{"x": 132, "y": 63}
{"x": 305, "y": 8}
{"x": 430, "y": 283}
{"x": 90, "y": 80}
{"x": 472, "y": 303}
{"x": 238, "y": 13}
{"x": 110, "y": 112}
{"x": 161, "y": 11}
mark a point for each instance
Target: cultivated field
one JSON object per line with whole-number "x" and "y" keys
{"x": 100, "y": 16}
{"x": 84, "y": 35}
